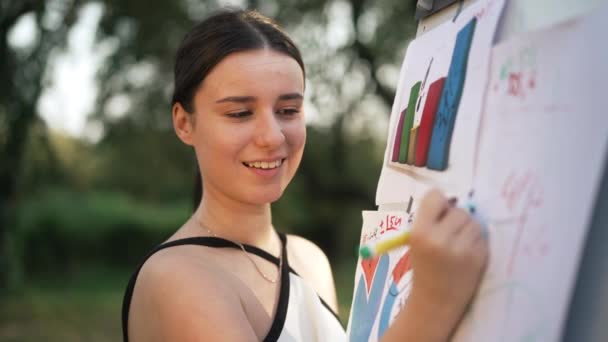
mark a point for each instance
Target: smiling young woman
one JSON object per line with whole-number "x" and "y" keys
{"x": 248, "y": 117}
{"x": 226, "y": 274}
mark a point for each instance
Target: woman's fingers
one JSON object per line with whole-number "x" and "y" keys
{"x": 453, "y": 222}
{"x": 438, "y": 223}
{"x": 432, "y": 208}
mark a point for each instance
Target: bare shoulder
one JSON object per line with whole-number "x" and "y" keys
{"x": 311, "y": 263}
{"x": 180, "y": 298}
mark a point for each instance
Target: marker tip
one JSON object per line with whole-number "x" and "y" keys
{"x": 365, "y": 252}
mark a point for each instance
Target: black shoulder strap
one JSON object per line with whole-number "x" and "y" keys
{"x": 206, "y": 241}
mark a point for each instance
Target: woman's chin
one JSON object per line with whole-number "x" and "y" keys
{"x": 266, "y": 197}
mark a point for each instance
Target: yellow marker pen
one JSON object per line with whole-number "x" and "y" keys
{"x": 382, "y": 246}
{"x": 388, "y": 243}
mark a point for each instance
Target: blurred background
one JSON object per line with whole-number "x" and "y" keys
{"x": 92, "y": 175}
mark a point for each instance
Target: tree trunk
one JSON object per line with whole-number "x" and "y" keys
{"x": 20, "y": 88}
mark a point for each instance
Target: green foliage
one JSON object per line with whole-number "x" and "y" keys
{"x": 23, "y": 69}
{"x": 150, "y": 165}
{"x": 61, "y": 230}
{"x": 65, "y": 307}
{"x": 107, "y": 203}
{"x": 85, "y": 306}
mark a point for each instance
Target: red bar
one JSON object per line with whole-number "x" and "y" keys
{"x": 398, "y": 137}
{"x": 427, "y": 122}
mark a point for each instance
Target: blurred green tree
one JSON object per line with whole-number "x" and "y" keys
{"x": 352, "y": 48}
{"x": 22, "y": 70}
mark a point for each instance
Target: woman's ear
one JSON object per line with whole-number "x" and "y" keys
{"x": 183, "y": 124}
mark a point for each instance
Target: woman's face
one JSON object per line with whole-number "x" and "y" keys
{"x": 249, "y": 130}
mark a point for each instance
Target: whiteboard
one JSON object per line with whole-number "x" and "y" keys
{"x": 589, "y": 305}
{"x": 544, "y": 135}
{"x": 531, "y": 266}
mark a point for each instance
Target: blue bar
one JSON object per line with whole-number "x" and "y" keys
{"x": 445, "y": 119}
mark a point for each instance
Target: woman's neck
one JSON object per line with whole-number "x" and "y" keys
{"x": 237, "y": 221}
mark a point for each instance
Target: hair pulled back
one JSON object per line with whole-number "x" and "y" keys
{"x": 223, "y": 33}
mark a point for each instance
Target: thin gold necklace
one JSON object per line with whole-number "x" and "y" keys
{"x": 273, "y": 281}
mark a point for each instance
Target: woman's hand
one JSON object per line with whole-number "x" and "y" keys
{"x": 448, "y": 254}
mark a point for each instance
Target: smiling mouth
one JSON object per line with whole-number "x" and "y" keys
{"x": 264, "y": 165}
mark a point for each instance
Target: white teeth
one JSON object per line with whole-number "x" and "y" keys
{"x": 265, "y": 165}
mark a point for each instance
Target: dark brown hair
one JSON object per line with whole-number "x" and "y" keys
{"x": 225, "y": 32}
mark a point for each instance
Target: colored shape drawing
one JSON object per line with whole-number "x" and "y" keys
{"x": 445, "y": 119}
{"x": 409, "y": 122}
{"x": 387, "y": 307}
{"x": 412, "y": 147}
{"x": 366, "y": 306}
{"x": 427, "y": 121}
{"x": 403, "y": 265}
{"x": 369, "y": 268}
{"x": 397, "y": 144}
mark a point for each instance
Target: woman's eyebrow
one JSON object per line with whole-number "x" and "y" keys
{"x": 237, "y": 99}
{"x": 248, "y": 99}
{"x": 291, "y": 96}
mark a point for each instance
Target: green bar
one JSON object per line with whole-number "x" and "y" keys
{"x": 409, "y": 122}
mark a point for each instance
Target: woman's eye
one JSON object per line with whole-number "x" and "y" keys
{"x": 288, "y": 111}
{"x": 242, "y": 114}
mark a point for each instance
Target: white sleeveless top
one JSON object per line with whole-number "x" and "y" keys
{"x": 308, "y": 317}
{"x": 301, "y": 315}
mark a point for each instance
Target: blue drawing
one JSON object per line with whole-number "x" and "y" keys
{"x": 387, "y": 307}
{"x": 365, "y": 309}
{"x": 439, "y": 149}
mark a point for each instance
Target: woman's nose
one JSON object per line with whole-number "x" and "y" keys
{"x": 269, "y": 131}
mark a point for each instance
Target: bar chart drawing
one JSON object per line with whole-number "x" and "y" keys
{"x": 427, "y": 144}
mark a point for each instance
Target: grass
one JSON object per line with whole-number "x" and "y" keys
{"x": 85, "y": 306}
{"x": 81, "y": 307}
